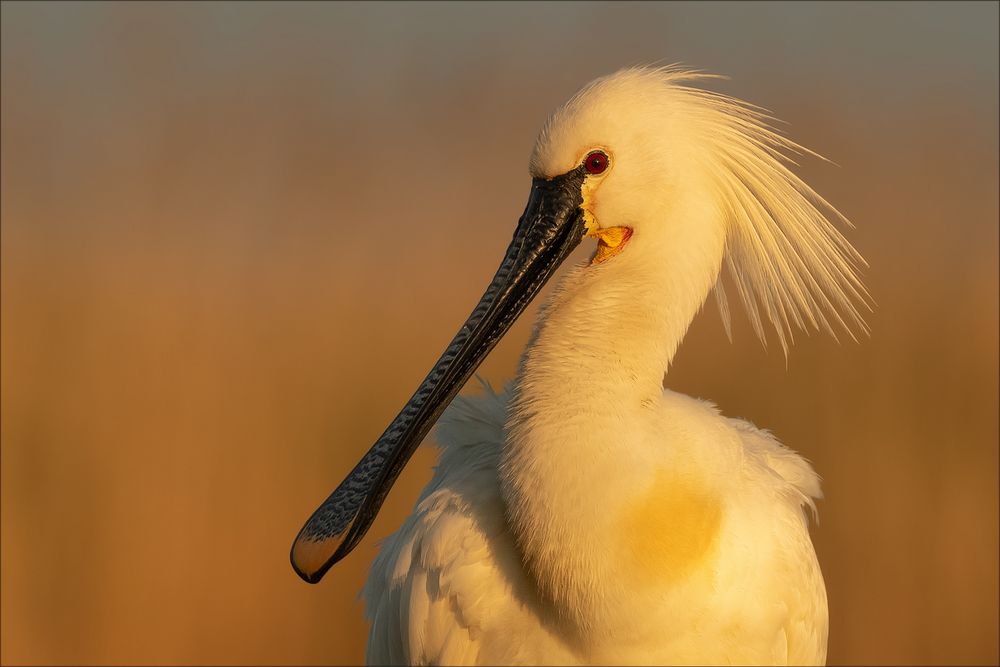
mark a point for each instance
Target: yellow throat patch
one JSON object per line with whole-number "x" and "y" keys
{"x": 671, "y": 531}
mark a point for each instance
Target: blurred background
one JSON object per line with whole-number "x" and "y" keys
{"x": 236, "y": 236}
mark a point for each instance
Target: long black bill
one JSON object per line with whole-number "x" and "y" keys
{"x": 550, "y": 228}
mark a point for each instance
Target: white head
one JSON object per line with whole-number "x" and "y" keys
{"x": 699, "y": 175}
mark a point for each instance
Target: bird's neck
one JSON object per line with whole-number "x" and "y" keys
{"x": 584, "y": 401}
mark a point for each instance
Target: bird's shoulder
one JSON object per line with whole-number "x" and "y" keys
{"x": 739, "y": 446}
{"x": 802, "y": 637}
{"x": 763, "y": 451}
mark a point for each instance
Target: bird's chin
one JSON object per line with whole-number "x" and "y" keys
{"x": 610, "y": 242}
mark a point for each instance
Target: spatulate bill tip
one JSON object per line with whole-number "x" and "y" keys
{"x": 311, "y": 557}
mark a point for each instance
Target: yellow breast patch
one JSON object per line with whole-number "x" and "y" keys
{"x": 671, "y": 530}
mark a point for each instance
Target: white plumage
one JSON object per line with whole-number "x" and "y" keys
{"x": 587, "y": 515}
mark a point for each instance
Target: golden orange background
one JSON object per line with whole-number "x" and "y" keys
{"x": 235, "y": 237}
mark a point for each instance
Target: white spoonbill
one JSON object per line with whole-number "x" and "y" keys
{"x": 586, "y": 515}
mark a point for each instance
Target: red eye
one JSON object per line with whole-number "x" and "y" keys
{"x": 595, "y": 162}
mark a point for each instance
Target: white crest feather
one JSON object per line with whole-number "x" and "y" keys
{"x": 789, "y": 263}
